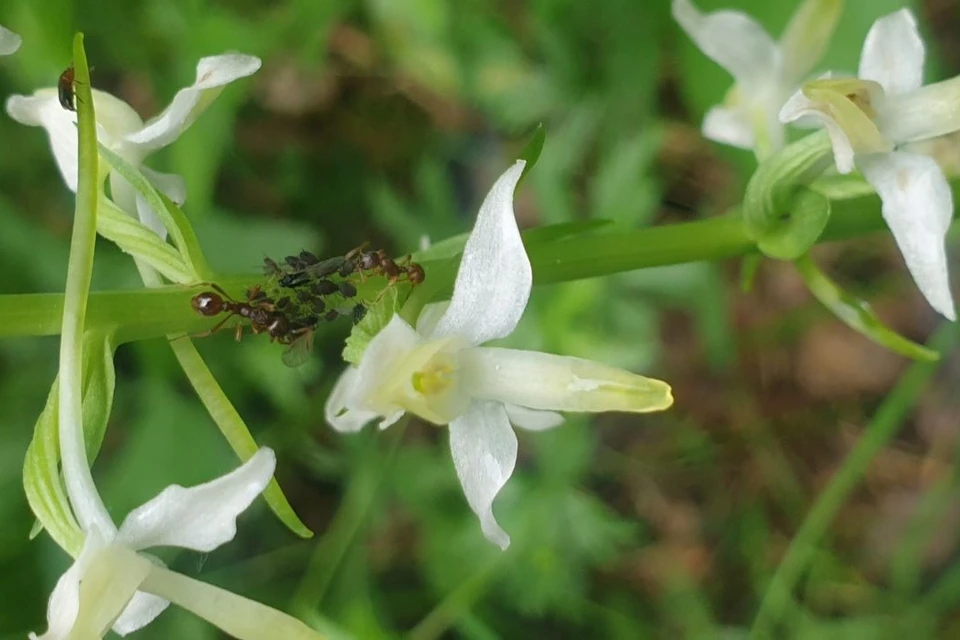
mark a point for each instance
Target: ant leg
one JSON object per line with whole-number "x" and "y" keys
{"x": 215, "y": 328}
{"x": 238, "y": 332}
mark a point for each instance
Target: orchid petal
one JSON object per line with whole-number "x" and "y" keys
{"x": 928, "y": 112}
{"x": 114, "y": 119}
{"x": 807, "y": 37}
{"x": 200, "y": 518}
{"x": 335, "y": 410}
{"x": 918, "y": 207}
{"x": 63, "y": 608}
{"x": 141, "y": 611}
{"x": 733, "y": 40}
{"x": 893, "y": 53}
{"x": 107, "y": 586}
{"x": 495, "y": 277}
{"x": 9, "y": 41}
{"x": 532, "y": 419}
{"x": 730, "y": 126}
{"x": 213, "y": 74}
{"x": 550, "y": 382}
{"x": 239, "y": 617}
{"x": 484, "y": 450}
{"x": 170, "y": 185}
{"x": 804, "y": 110}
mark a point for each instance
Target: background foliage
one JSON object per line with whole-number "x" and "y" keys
{"x": 387, "y": 121}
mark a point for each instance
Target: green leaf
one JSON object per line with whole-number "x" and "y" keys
{"x": 41, "y": 475}
{"x": 531, "y": 151}
{"x": 378, "y": 315}
{"x": 133, "y": 238}
{"x": 233, "y": 428}
{"x": 857, "y": 314}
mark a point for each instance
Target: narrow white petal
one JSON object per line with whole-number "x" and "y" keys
{"x": 200, "y": 518}
{"x": 733, "y": 40}
{"x": 918, "y": 206}
{"x": 142, "y": 609}
{"x": 484, "y": 450}
{"x": 550, "y": 382}
{"x": 799, "y": 108}
{"x": 335, "y": 410}
{"x": 494, "y": 280}
{"x": 532, "y": 419}
{"x": 64, "y": 604}
{"x": 213, "y": 73}
{"x": 108, "y": 585}
{"x": 239, "y": 617}
{"x": 893, "y": 53}
{"x": 9, "y": 41}
{"x": 928, "y": 112}
{"x": 807, "y": 37}
{"x": 729, "y": 126}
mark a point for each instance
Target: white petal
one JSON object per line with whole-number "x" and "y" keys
{"x": 893, "y": 53}
{"x": 550, "y": 382}
{"x": 64, "y": 604}
{"x": 200, "y": 518}
{"x": 239, "y": 617}
{"x": 532, "y": 419}
{"x": 114, "y": 118}
{"x": 494, "y": 280}
{"x": 213, "y": 73}
{"x": 9, "y": 41}
{"x": 141, "y": 611}
{"x": 108, "y": 582}
{"x": 928, "y": 112}
{"x": 733, "y": 40}
{"x": 918, "y": 206}
{"x": 484, "y": 450}
{"x": 338, "y": 415}
{"x": 729, "y": 126}
{"x": 170, "y": 185}
{"x": 803, "y": 110}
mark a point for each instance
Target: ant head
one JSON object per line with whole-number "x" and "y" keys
{"x": 207, "y": 303}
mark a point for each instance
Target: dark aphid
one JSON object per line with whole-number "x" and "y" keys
{"x": 347, "y": 290}
{"x": 294, "y": 280}
{"x": 307, "y": 258}
{"x": 324, "y": 287}
{"x": 271, "y": 268}
{"x": 359, "y": 311}
{"x": 347, "y": 268}
{"x": 304, "y": 296}
{"x": 65, "y": 90}
{"x": 283, "y": 303}
{"x": 294, "y": 262}
{"x": 319, "y": 306}
{"x": 331, "y": 315}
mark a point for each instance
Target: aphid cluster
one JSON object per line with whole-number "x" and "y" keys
{"x": 301, "y": 291}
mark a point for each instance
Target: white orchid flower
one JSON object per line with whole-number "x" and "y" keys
{"x": 765, "y": 72}
{"x": 9, "y": 41}
{"x": 441, "y": 373}
{"x": 112, "y": 585}
{"x": 870, "y": 119}
{"x": 123, "y": 131}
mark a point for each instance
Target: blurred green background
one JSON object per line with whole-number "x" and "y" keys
{"x": 387, "y": 121}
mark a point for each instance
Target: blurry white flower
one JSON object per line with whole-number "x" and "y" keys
{"x": 9, "y": 41}
{"x": 870, "y": 119}
{"x": 100, "y": 590}
{"x": 123, "y": 131}
{"x": 440, "y": 373}
{"x": 765, "y": 72}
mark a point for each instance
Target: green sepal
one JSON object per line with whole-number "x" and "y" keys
{"x": 531, "y": 151}
{"x": 377, "y": 317}
{"x": 41, "y": 468}
{"x": 173, "y": 218}
{"x": 135, "y": 239}
{"x": 782, "y": 214}
{"x": 857, "y": 314}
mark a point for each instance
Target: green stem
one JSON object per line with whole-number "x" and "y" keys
{"x": 164, "y": 310}
{"x": 878, "y": 433}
